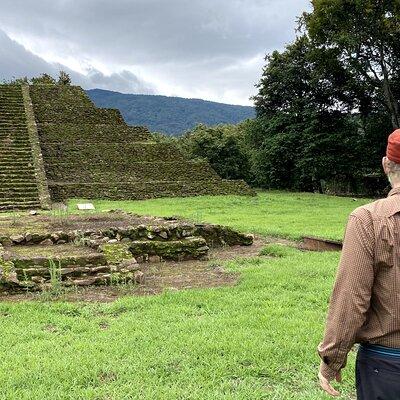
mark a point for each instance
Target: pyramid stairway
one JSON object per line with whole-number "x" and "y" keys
{"x": 18, "y": 186}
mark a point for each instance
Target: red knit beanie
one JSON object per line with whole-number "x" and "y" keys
{"x": 393, "y": 147}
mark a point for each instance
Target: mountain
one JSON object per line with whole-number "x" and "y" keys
{"x": 170, "y": 115}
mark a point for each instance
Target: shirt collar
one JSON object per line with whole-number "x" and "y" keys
{"x": 394, "y": 191}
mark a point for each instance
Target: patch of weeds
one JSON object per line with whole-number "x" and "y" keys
{"x": 80, "y": 240}
{"x": 115, "y": 310}
{"x": 55, "y": 288}
{"x": 109, "y": 376}
{"x": 6, "y": 267}
{"x": 15, "y": 220}
{"x": 60, "y": 218}
{"x": 104, "y": 325}
{"x": 215, "y": 265}
{"x": 123, "y": 284}
{"x": 70, "y": 311}
{"x": 277, "y": 250}
{"x": 51, "y": 328}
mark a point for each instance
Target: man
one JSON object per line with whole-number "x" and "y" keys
{"x": 365, "y": 303}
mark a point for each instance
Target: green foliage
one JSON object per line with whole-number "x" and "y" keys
{"x": 223, "y": 146}
{"x": 366, "y": 37}
{"x": 44, "y": 79}
{"x": 55, "y": 278}
{"x": 64, "y": 78}
{"x": 299, "y": 139}
{"x": 326, "y": 104}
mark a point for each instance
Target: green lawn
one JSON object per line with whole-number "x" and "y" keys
{"x": 284, "y": 214}
{"x": 256, "y": 340}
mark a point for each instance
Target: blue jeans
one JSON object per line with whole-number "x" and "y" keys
{"x": 378, "y": 373}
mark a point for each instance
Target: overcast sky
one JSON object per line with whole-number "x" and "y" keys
{"x": 210, "y": 49}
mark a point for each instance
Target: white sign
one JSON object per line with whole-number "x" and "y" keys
{"x": 85, "y": 207}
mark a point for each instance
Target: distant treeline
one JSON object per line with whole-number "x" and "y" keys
{"x": 325, "y": 106}
{"x": 169, "y": 115}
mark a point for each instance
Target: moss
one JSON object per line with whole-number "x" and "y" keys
{"x": 115, "y": 253}
{"x": 91, "y": 153}
{"x": 6, "y": 267}
{"x": 174, "y": 250}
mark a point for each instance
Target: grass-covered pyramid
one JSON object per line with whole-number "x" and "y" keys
{"x": 84, "y": 151}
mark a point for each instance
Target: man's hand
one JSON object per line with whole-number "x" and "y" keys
{"x": 326, "y": 385}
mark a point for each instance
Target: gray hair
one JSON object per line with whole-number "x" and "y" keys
{"x": 394, "y": 170}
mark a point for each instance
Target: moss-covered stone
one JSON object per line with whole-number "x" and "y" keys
{"x": 188, "y": 248}
{"x": 116, "y": 253}
{"x": 90, "y": 152}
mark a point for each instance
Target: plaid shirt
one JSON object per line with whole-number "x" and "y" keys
{"x": 365, "y": 303}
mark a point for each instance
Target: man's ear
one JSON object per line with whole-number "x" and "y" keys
{"x": 384, "y": 165}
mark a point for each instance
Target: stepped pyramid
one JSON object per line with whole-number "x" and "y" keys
{"x": 55, "y": 144}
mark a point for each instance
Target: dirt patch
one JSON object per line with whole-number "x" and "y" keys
{"x": 162, "y": 276}
{"x": 51, "y": 252}
{"x": 10, "y": 225}
{"x": 319, "y": 244}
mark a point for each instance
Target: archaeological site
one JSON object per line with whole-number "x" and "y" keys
{"x": 55, "y": 145}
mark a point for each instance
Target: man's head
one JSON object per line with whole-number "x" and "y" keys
{"x": 391, "y": 163}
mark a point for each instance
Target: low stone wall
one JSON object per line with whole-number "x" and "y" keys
{"x": 100, "y": 256}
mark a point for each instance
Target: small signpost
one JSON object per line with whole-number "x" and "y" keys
{"x": 86, "y": 207}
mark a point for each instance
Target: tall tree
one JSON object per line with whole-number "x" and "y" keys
{"x": 303, "y": 132}
{"x": 366, "y": 36}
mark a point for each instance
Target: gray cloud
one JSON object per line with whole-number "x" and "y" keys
{"x": 17, "y": 62}
{"x": 194, "y": 46}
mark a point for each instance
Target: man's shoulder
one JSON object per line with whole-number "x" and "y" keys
{"x": 378, "y": 209}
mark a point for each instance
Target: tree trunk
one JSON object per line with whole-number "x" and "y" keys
{"x": 389, "y": 97}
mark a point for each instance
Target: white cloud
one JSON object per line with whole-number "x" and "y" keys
{"x": 194, "y": 48}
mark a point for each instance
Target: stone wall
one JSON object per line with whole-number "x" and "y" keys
{"x": 101, "y": 254}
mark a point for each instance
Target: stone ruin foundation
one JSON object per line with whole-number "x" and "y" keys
{"x": 37, "y": 252}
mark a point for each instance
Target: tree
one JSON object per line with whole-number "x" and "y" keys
{"x": 44, "y": 79}
{"x": 366, "y": 36}
{"x": 222, "y": 146}
{"x": 64, "y": 78}
{"x": 304, "y": 131}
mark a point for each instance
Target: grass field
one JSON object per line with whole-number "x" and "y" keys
{"x": 284, "y": 214}
{"x": 256, "y": 340}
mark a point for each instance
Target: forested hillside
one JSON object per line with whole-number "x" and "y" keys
{"x": 170, "y": 115}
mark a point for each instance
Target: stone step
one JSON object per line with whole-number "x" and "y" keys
{"x": 28, "y": 185}
{"x": 185, "y": 248}
{"x": 14, "y": 150}
{"x": 8, "y": 123}
{"x": 9, "y": 157}
{"x": 15, "y": 206}
{"x": 10, "y": 100}
{"x": 18, "y": 191}
{"x": 21, "y": 184}
{"x": 12, "y": 153}
{"x": 15, "y": 161}
{"x": 27, "y": 200}
{"x": 12, "y": 116}
{"x": 15, "y": 142}
{"x": 18, "y": 172}
{"x": 11, "y": 133}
